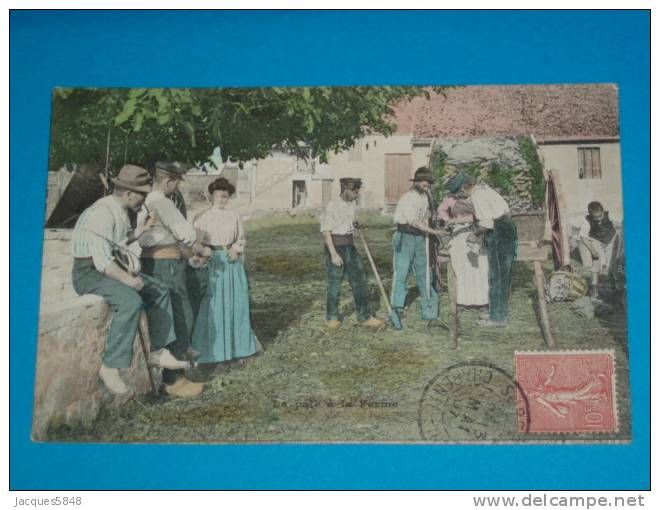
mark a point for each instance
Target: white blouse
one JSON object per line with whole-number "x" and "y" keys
{"x": 221, "y": 227}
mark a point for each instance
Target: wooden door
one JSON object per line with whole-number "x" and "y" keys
{"x": 397, "y": 176}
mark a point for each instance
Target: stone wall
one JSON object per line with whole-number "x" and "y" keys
{"x": 72, "y": 334}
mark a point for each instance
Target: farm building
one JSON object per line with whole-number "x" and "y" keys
{"x": 575, "y": 127}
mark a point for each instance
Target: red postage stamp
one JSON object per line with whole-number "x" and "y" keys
{"x": 568, "y": 391}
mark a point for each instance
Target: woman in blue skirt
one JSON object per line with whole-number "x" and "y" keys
{"x": 222, "y": 330}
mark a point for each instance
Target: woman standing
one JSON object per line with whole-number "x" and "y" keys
{"x": 468, "y": 259}
{"x": 222, "y": 330}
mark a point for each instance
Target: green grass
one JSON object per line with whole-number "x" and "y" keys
{"x": 311, "y": 384}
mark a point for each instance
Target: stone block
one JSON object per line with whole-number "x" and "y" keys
{"x": 72, "y": 335}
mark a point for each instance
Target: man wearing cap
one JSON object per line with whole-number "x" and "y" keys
{"x": 341, "y": 257}
{"x": 100, "y": 228}
{"x": 162, "y": 258}
{"x": 411, "y": 245}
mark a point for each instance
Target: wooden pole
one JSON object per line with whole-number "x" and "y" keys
{"x": 107, "y": 153}
{"x": 145, "y": 353}
{"x": 543, "y": 310}
{"x": 453, "y": 306}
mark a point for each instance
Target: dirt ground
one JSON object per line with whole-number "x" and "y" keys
{"x": 352, "y": 385}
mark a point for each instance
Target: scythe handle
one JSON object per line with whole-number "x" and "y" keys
{"x": 375, "y": 270}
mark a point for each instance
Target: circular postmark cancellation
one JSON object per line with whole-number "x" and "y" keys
{"x": 473, "y": 401}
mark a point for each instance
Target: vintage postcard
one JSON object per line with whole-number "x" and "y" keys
{"x": 385, "y": 264}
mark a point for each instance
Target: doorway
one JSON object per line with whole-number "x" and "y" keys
{"x": 397, "y": 176}
{"x": 299, "y": 198}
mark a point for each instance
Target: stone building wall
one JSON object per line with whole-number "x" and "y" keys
{"x": 72, "y": 334}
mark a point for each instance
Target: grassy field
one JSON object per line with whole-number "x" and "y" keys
{"x": 351, "y": 385}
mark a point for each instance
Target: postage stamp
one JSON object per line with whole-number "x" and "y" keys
{"x": 568, "y": 391}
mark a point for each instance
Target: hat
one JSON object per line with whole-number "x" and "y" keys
{"x": 350, "y": 182}
{"x": 454, "y": 184}
{"x": 175, "y": 169}
{"x": 133, "y": 178}
{"x": 423, "y": 174}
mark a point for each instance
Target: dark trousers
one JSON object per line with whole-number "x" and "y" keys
{"x": 197, "y": 281}
{"x": 127, "y": 305}
{"x": 355, "y": 271}
{"x": 171, "y": 273}
{"x": 501, "y": 249}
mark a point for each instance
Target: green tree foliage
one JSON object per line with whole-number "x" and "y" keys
{"x": 143, "y": 125}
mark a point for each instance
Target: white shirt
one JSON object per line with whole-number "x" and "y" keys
{"x": 104, "y": 221}
{"x": 221, "y": 227}
{"x": 412, "y": 207}
{"x": 171, "y": 227}
{"x": 488, "y": 205}
{"x": 338, "y": 217}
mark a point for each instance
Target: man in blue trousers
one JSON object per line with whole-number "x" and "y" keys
{"x": 411, "y": 245}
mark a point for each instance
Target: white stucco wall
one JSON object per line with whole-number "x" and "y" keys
{"x": 274, "y": 175}
{"x": 367, "y": 161}
{"x": 579, "y": 192}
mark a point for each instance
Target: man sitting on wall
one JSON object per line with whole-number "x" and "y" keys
{"x": 99, "y": 230}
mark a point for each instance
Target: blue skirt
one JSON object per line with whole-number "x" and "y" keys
{"x": 222, "y": 330}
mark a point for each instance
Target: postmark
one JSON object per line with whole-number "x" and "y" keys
{"x": 568, "y": 391}
{"x": 473, "y": 401}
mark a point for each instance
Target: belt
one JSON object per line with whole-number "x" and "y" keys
{"x": 169, "y": 251}
{"x": 83, "y": 258}
{"x": 220, "y": 247}
{"x": 408, "y": 229}
{"x": 342, "y": 239}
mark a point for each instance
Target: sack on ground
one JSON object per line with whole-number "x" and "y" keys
{"x": 565, "y": 286}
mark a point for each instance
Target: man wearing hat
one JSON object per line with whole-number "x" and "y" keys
{"x": 100, "y": 228}
{"x": 411, "y": 245}
{"x": 162, "y": 258}
{"x": 341, "y": 257}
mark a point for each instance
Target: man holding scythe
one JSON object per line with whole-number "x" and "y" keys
{"x": 411, "y": 245}
{"x": 341, "y": 257}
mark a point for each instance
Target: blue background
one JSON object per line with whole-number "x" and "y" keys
{"x": 165, "y": 49}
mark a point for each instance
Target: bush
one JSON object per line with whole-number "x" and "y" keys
{"x": 528, "y": 151}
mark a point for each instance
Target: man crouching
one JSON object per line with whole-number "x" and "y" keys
{"x": 341, "y": 257}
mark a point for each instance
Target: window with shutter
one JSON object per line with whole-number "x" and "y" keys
{"x": 589, "y": 163}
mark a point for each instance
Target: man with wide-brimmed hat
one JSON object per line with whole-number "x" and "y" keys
{"x": 341, "y": 257}
{"x": 162, "y": 258}
{"x": 411, "y": 245}
{"x": 99, "y": 230}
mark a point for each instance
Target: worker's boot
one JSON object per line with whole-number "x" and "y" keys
{"x": 373, "y": 323}
{"x": 184, "y": 388}
{"x": 333, "y": 325}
